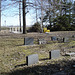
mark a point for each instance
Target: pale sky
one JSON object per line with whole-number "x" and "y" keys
{"x": 9, "y": 15}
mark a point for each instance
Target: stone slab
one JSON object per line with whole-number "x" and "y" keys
{"x": 65, "y": 39}
{"x": 54, "y": 54}
{"x": 60, "y": 39}
{"x": 28, "y": 41}
{"x": 32, "y": 59}
{"x": 70, "y": 54}
{"x": 53, "y": 38}
{"x": 73, "y": 36}
{"x": 42, "y": 41}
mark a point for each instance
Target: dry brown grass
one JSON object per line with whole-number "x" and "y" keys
{"x": 13, "y": 52}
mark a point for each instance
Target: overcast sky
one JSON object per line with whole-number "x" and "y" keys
{"x": 10, "y": 15}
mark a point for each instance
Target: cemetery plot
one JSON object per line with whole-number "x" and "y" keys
{"x": 32, "y": 59}
{"x": 28, "y": 41}
{"x": 13, "y": 54}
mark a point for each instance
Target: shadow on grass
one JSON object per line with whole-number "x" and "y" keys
{"x": 20, "y": 45}
{"x": 20, "y": 65}
{"x": 44, "y": 59}
{"x": 65, "y": 67}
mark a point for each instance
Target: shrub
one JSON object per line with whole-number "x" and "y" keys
{"x": 35, "y": 28}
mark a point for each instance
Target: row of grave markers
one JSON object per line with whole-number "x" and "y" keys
{"x": 32, "y": 59}
{"x": 54, "y": 54}
{"x": 30, "y": 40}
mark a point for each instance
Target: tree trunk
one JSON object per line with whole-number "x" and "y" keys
{"x": 0, "y": 15}
{"x": 20, "y": 14}
{"x": 24, "y": 16}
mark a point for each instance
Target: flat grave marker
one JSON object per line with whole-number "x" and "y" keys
{"x": 32, "y": 59}
{"x": 70, "y": 54}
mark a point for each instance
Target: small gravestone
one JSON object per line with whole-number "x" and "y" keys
{"x": 59, "y": 39}
{"x": 32, "y": 59}
{"x": 42, "y": 41}
{"x": 28, "y": 41}
{"x": 65, "y": 39}
{"x": 53, "y": 38}
{"x": 73, "y": 36}
{"x": 54, "y": 54}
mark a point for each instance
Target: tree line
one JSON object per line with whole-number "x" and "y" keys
{"x": 59, "y": 16}
{"x": 53, "y": 14}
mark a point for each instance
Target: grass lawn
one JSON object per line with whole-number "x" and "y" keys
{"x": 13, "y": 55}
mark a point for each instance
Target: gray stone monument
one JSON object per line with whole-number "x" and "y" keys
{"x": 65, "y": 39}
{"x": 53, "y": 38}
{"x": 28, "y": 41}
{"x": 73, "y": 36}
{"x": 42, "y": 41}
{"x": 32, "y": 59}
{"x": 54, "y": 54}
